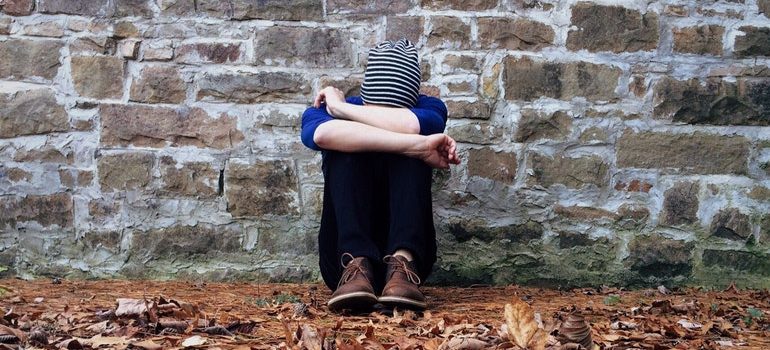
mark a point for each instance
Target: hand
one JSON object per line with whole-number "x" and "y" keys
{"x": 439, "y": 151}
{"x": 330, "y": 95}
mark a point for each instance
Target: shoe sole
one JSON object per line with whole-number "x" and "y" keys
{"x": 353, "y": 301}
{"x": 403, "y": 302}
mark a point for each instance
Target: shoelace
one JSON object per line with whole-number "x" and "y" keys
{"x": 351, "y": 269}
{"x": 401, "y": 266}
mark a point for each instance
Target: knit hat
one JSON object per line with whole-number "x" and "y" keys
{"x": 392, "y": 75}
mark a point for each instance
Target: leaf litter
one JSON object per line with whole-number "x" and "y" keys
{"x": 177, "y": 315}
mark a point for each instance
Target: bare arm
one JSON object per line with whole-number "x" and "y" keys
{"x": 437, "y": 150}
{"x": 400, "y": 120}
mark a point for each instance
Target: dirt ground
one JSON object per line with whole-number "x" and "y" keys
{"x": 160, "y": 315}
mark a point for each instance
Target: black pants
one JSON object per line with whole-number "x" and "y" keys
{"x": 375, "y": 204}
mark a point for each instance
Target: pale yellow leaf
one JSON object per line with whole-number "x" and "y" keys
{"x": 520, "y": 319}
{"x": 195, "y": 340}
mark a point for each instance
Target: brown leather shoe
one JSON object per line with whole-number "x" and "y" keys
{"x": 354, "y": 291}
{"x": 402, "y": 284}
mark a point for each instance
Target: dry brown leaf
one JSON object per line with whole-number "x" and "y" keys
{"x": 520, "y": 319}
{"x": 310, "y": 338}
{"x": 5, "y": 330}
{"x": 147, "y": 345}
{"x": 130, "y": 307}
{"x": 538, "y": 341}
{"x": 457, "y": 343}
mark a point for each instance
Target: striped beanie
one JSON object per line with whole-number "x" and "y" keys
{"x": 392, "y": 75}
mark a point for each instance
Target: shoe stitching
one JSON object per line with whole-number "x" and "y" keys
{"x": 352, "y": 268}
{"x": 397, "y": 264}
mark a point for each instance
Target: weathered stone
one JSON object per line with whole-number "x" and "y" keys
{"x": 177, "y": 8}
{"x": 481, "y": 133}
{"x": 680, "y": 204}
{"x": 697, "y": 153}
{"x": 634, "y": 185}
{"x": 159, "y": 84}
{"x": 20, "y": 59}
{"x": 461, "y": 64}
{"x": 98, "y": 44}
{"x": 463, "y": 5}
{"x": 98, "y": 77}
{"x": 160, "y": 50}
{"x": 15, "y": 174}
{"x": 45, "y": 154}
{"x": 526, "y": 79}
{"x": 30, "y": 112}
{"x": 369, "y": 6}
{"x": 470, "y": 110}
{"x": 350, "y": 86}
{"x": 764, "y": 7}
{"x": 717, "y": 102}
{"x": 495, "y": 165}
{"x": 715, "y": 12}
{"x": 409, "y": 27}
{"x": 464, "y": 230}
{"x": 53, "y": 29}
{"x": 638, "y": 86}
{"x": 157, "y": 127}
{"x": 514, "y": 34}
{"x": 731, "y": 224}
{"x": 449, "y": 32}
{"x": 631, "y": 216}
{"x": 196, "y": 53}
{"x": 462, "y": 87}
{"x": 251, "y": 88}
{"x": 534, "y": 126}
{"x": 263, "y": 188}
{"x": 184, "y": 242}
{"x": 569, "y": 240}
{"x": 129, "y": 49}
{"x": 755, "y": 42}
{"x": 701, "y": 40}
{"x": 585, "y": 213}
{"x": 676, "y": 10}
{"x": 655, "y": 256}
{"x": 72, "y": 178}
{"x": 593, "y": 135}
{"x": 132, "y": 8}
{"x": 759, "y": 193}
{"x": 278, "y": 10}
{"x": 531, "y": 4}
{"x": 125, "y": 30}
{"x": 6, "y": 23}
{"x": 55, "y": 209}
{"x": 752, "y": 262}
{"x": 125, "y": 171}
{"x": 94, "y": 8}
{"x": 17, "y": 7}
{"x": 571, "y": 172}
{"x": 195, "y": 179}
{"x": 612, "y": 28}
{"x": 300, "y": 46}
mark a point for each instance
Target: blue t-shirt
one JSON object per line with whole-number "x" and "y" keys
{"x": 430, "y": 111}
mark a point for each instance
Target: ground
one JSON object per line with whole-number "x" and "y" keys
{"x": 176, "y": 314}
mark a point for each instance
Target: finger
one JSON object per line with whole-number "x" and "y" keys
{"x": 318, "y": 99}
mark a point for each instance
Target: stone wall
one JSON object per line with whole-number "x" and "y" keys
{"x": 605, "y": 142}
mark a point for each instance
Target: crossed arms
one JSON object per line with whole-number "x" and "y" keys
{"x": 379, "y": 129}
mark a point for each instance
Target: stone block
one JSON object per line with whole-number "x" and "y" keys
{"x": 680, "y": 204}
{"x": 197, "y": 53}
{"x": 177, "y": 8}
{"x": 160, "y": 50}
{"x": 17, "y": 7}
{"x": 524, "y": 5}
{"x": 159, "y": 84}
{"x": 302, "y": 47}
{"x": 612, "y": 28}
{"x": 659, "y": 257}
{"x": 31, "y": 112}
{"x": 696, "y": 153}
{"x": 569, "y": 240}
{"x": 449, "y": 33}
{"x": 49, "y": 210}
{"x": 15, "y": 174}
{"x": 527, "y": 79}
{"x": 129, "y": 49}
{"x": 45, "y": 154}
{"x": 193, "y": 179}
{"x": 369, "y": 6}
{"x": 573, "y": 173}
{"x": 252, "y": 88}
{"x": 125, "y": 171}
{"x": 93, "y": 44}
{"x": 89, "y": 8}
{"x": 716, "y": 102}
{"x": 53, "y": 29}
{"x": 764, "y": 7}
{"x": 99, "y": 77}
{"x": 261, "y": 188}
{"x": 6, "y": 24}
{"x": 350, "y": 86}
{"x": 534, "y": 126}
{"x": 514, "y": 34}
{"x": 457, "y": 64}
{"x": 701, "y": 40}
{"x": 759, "y": 193}
{"x": 754, "y": 43}
{"x": 21, "y": 59}
{"x": 184, "y": 242}
{"x": 278, "y": 10}
{"x": 583, "y": 213}
{"x": 480, "y": 133}
{"x": 751, "y": 262}
{"x": 470, "y": 110}
{"x": 159, "y": 127}
{"x": 495, "y": 165}
{"x": 73, "y": 178}
{"x": 133, "y": 8}
{"x": 125, "y": 29}
{"x": 466, "y": 229}
{"x": 731, "y": 224}
{"x": 462, "y": 5}
{"x": 409, "y": 27}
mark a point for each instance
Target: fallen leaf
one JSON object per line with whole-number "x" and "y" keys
{"x": 130, "y": 307}
{"x": 689, "y": 325}
{"x": 458, "y": 343}
{"x": 520, "y": 319}
{"x": 147, "y": 345}
{"x": 195, "y": 340}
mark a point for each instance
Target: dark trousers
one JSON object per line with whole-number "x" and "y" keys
{"x": 375, "y": 204}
